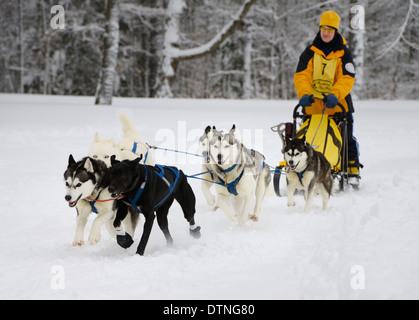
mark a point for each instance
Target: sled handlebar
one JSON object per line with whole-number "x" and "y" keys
{"x": 296, "y": 113}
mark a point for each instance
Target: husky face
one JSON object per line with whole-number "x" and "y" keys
{"x": 296, "y": 154}
{"x": 80, "y": 180}
{"x": 103, "y": 150}
{"x": 204, "y": 142}
{"x": 225, "y": 149}
{"x": 121, "y": 175}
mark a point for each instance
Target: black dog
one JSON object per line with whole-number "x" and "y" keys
{"x": 147, "y": 190}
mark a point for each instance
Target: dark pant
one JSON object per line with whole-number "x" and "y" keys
{"x": 353, "y": 147}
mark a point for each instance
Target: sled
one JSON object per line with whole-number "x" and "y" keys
{"x": 327, "y": 134}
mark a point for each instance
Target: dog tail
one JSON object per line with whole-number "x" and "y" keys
{"x": 128, "y": 129}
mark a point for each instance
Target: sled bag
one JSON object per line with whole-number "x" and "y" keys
{"x": 324, "y": 136}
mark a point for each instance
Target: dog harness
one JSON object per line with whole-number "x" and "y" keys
{"x": 92, "y": 202}
{"x": 134, "y": 150}
{"x": 300, "y": 176}
{"x": 231, "y": 187}
{"x": 160, "y": 173}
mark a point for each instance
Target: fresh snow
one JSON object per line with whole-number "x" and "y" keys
{"x": 364, "y": 246}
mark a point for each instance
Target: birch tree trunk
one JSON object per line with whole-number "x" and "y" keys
{"x": 247, "y": 83}
{"x": 105, "y": 87}
{"x": 22, "y": 64}
{"x": 358, "y": 45}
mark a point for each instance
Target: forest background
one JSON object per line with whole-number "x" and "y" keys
{"x": 233, "y": 49}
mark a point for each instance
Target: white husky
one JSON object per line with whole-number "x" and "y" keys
{"x": 241, "y": 174}
{"x": 129, "y": 148}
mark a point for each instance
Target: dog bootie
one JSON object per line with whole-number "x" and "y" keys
{"x": 124, "y": 241}
{"x": 196, "y": 232}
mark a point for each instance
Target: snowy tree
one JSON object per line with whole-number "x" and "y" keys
{"x": 105, "y": 88}
{"x": 184, "y": 48}
{"x": 357, "y": 39}
{"x": 393, "y": 49}
{"x": 172, "y": 55}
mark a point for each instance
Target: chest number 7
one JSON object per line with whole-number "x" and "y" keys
{"x": 324, "y": 67}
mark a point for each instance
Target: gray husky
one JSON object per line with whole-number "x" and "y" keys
{"x": 307, "y": 170}
{"x": 208, "y": 177}
{"x": 241, "y": 174}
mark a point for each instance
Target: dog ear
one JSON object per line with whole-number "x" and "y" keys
{"x": 233, "y": 128}
{"x": 71, "y": 160}
{"x": 137, "y": 160}
{"x": 113, "y": 160}
{"x": 88, "y": 165}
{"x": 96, "y": 139}
{"x": 207, "y": 129}
{"x": 231, "y": 139}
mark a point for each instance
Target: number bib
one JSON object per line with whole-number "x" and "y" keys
{"x": 323, "y": 75}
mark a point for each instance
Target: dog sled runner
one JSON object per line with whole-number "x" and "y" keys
{"x": 327, "y": 134}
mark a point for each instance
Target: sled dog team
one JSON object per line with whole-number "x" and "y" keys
{"x": 118, "y": 182}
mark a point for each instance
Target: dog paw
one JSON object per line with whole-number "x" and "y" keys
{"x": 94, "y": 237}
{"x": 291, "y": 203}
{"x": 195, "y": 233}
{"x": 124, "y": 241}
{"x": 232, "y": 218}
{"x": 78, "y": 243}
{"x": 211, "y": 201}
{"x": 254, "y": 217}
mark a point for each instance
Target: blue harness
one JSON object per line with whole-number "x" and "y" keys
{"x": 231, "y": 187}
{"x": 160, "y": 173}
{"x": 134, "y": 150}
{"x": 300, "y": 176}
{"x": 92, "y": 204}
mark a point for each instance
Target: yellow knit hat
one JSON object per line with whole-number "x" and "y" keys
{"x": 330, "y": 19}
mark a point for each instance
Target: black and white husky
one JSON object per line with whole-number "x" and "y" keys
{"x": 241, "y": 176}
{"x": 87, "y": 190}
{"x": 307, "y": 170}
{"x": 151, "y": 191}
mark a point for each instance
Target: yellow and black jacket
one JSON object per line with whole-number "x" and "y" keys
{"x": 326, "y": 68}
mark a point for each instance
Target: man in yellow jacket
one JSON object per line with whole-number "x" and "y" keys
{"x": 326, "y": 72}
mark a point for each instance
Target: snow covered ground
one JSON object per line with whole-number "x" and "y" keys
{"x": 365, "y": 246}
